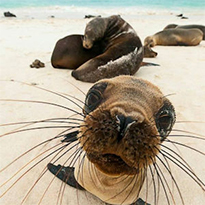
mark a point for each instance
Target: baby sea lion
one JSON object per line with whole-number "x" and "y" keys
{"x": 125, "y": 123}
{"x": 111, "y": 43}
{"x": 149, "y": 53}
{"x": 189, "y": 26}
{"x": 175, "y": 37}
{"x": 126, "y": 120}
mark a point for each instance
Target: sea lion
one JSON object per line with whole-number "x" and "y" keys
{"x": 201, "y": 27}
{"x": 120, "y": 50}
{"x": 126, "y": 97}
{"x": 149, "y": 53}
{"x": 175, "y": 37}
{"x": 69, "y": 52}
{"x": 126, "y": 120}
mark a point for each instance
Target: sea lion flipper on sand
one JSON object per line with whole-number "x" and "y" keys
{"x": 95, "y": 69}
{"x": 66, "y": 174}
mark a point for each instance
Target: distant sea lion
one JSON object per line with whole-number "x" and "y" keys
{"x": 9, "y": 14}
{"x": 149, "y": 53}
{"x": 201, "y": 27}
{"x": 175, "y": 37}
{"x": 120, "y": 50}
{"x": 126, "y": 120}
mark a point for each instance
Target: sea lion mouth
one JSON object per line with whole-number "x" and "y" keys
{"x": 111, "y": 164}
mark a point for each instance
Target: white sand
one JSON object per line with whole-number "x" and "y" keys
{"x": 22, "y": 40}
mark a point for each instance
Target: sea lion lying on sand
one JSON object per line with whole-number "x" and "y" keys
{"x": 126, "y": 120}
{"x": 120, "y": 50}
{"x": 149, "y": 53}
{"x": 175, "y": 37}
{"x": 201, "y": 27}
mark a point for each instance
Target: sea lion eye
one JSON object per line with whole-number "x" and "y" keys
{"x": 94, "y": 97}
{"x": 165, "y": 120}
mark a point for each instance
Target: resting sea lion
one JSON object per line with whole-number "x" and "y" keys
{"x": 70, "y": 53}
{"x": 126, "y": 120}
{"x": 120, "y": 50}
{"x": 201, "y": 27}
{"x": 175, "y": 37}
{"x": 149, "y": 53}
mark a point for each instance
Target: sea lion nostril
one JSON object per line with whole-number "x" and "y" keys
{"x": 124, "y": 123}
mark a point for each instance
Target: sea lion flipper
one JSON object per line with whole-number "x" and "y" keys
{"x": 70, "y": 137}
{"x": 140, "y": 202}
{"x": 66, "y": 174}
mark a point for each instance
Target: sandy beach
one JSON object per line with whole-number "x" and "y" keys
{"x": 32, "y": 35}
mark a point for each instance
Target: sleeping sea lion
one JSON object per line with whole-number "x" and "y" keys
{"x": 126, "y": 120}
{"x": 69, "y": 52}
{"x": 175, "y": 37}
{"x": 201, "y": 27}
{"x": 149, "y": 53}
{"x": 114, "y": 49}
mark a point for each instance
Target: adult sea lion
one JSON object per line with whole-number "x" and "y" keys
{"x": 201, "y": 27}
{"x": 69, "y": 52}
{"x": 175, "y": 37}
{"x": 120, "y": 50}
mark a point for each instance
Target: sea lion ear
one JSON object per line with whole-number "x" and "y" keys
{"x": 165, "y": 119}
{"x": 94, "y": 97}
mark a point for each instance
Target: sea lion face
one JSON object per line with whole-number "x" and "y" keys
{"x": 126, "y": 120}
{"x": 149, "y": 53}
{"x": 88, "y": 41}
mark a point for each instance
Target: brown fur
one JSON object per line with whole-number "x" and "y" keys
{"x": 189, "y": 26}
{"x": 175, "y": 37}
{"x": 125, "y": 159}
{"x": 70, "y": 53}
{"x": 149, "y": 53}
{"x": 119, "y": 39}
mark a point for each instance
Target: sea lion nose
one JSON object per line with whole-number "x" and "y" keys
{"x": 123, "y": 124}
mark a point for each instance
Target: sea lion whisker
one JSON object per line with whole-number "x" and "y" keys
{"x": 173, "y": 179}
{"x": 162, "y": 183}
{"x": 178, "y": 156}
{"x": 188, "y": 136}
{"x": 53, "y": 92}
{"x": 184, "y": 121}
{"x": 43, "y": 102}
{"x": 29, "y": 150}
{"x": 39, "y": 128}
{"x": 29, "y": 170}
{"x": 186, "y": 169}
{"x": 54, "y": 177}
{"x": 188, "y": 132}
{"x": 167, "y": 184}
{"x": 44, "y": 171}
{"x": 141, "y": 184}
{"x": 154, "y": 186}
{"x": 52, "y": 120}
{"x": 189, "y": 147}
{"x": 168, "y": 168}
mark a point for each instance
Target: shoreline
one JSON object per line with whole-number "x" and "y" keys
{"x": 77, "y": 12}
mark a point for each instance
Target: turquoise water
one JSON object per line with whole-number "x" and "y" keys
{"x": 104, "y": 3}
